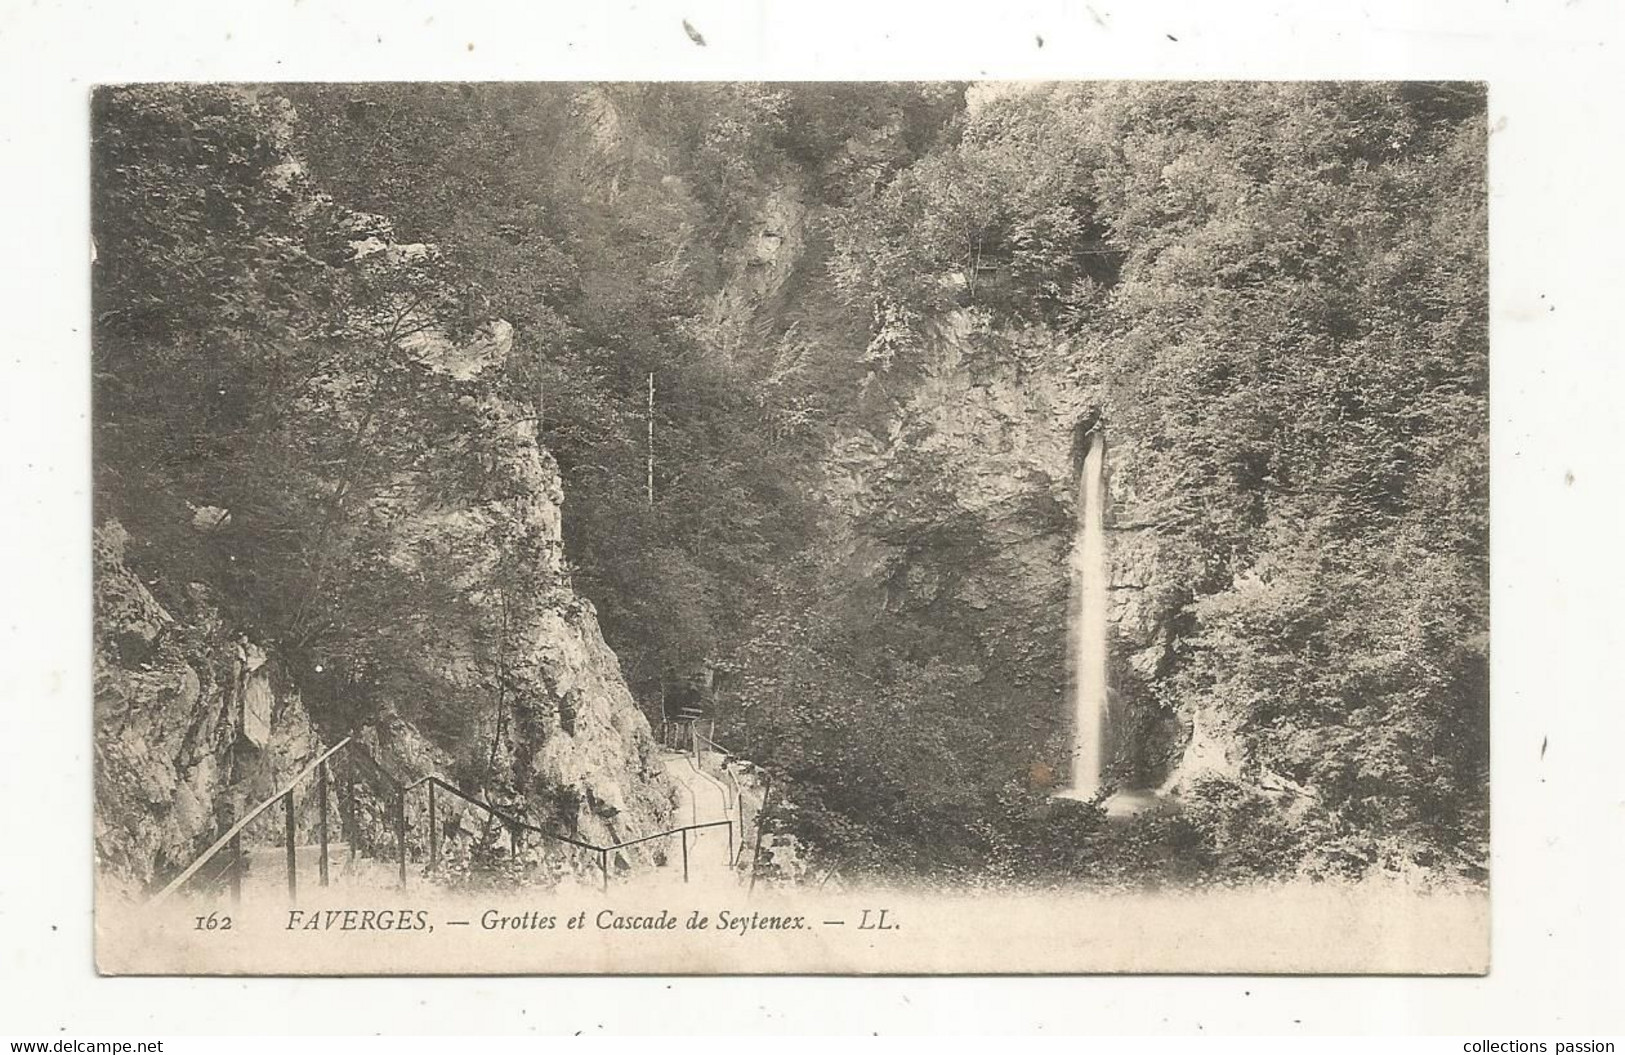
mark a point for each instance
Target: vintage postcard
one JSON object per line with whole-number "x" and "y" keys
{"x": 859, "y": 527}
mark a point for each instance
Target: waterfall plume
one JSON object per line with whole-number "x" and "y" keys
{"x": 1088, "y": 625}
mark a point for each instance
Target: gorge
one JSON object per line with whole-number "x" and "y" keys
{"x": 465, "y": 418}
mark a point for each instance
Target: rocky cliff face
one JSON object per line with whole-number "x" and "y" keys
{"x": 957, "y": 507}
{"x": 996, "y": 417}
{"x": 567, "y": 744}
{"x": 955, "y": 503}
{"x": 196, "y": 722}
{"x": 174, "y": 761}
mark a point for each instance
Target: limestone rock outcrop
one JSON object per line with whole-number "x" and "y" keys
{"x": 196, "y": 722}
{"x": 995, "y": 415}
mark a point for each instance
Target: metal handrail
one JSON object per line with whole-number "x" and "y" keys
{"x": 669, "y": 831}
{"x": 761, "y": 814}
{"x": 236, "y": 829}
{"x": 729, "y": 754}
{"x": 720, "y": 749}
{"x": 398, "y": 791}
{"x": 739, "y": 798}
{"x": 603, "y": 852}
{"x": 505, "y": 818}
{"x": 733, "y": 779}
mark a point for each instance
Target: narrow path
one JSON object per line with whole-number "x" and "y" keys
{"x": 706, "y": 800}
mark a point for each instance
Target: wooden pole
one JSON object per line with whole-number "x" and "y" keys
{"x": 236, "y": 870}
{"x": 293, "y": 856}
{"x": 603, "y": 866}
{"x": 321, "y": 822}
{"x": 685, "y": 854}
{"x": 651, "y": 423}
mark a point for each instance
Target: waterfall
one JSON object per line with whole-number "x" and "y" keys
{"x": 1088, "y": 644}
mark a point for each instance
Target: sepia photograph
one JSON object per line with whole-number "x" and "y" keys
{"x": 860, "y": 527}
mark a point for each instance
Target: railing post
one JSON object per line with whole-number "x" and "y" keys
{"x": 293, "y": 854}
{"x": 434, "y": 829}
{"x": 685, "y": 855}
{"x": 603, "y": 866}
{"x": 230, "y": 837}
{"x": 400, "y": 833}
{"x": 236, "y": 870}
{"x": 731, "y": 842}
{"x": 761, "y": 822}
{"x": 321, "y": 821}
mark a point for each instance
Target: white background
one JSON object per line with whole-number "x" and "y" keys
{"x": 1559, "y": 820}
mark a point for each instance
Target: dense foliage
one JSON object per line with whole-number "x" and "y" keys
{"x": 257, "y": 422}
{"x": 1281, "y": 293}
{"x": 1278, "y": 292}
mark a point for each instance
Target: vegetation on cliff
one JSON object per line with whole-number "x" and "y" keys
{"x": 1274, "y": 296}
